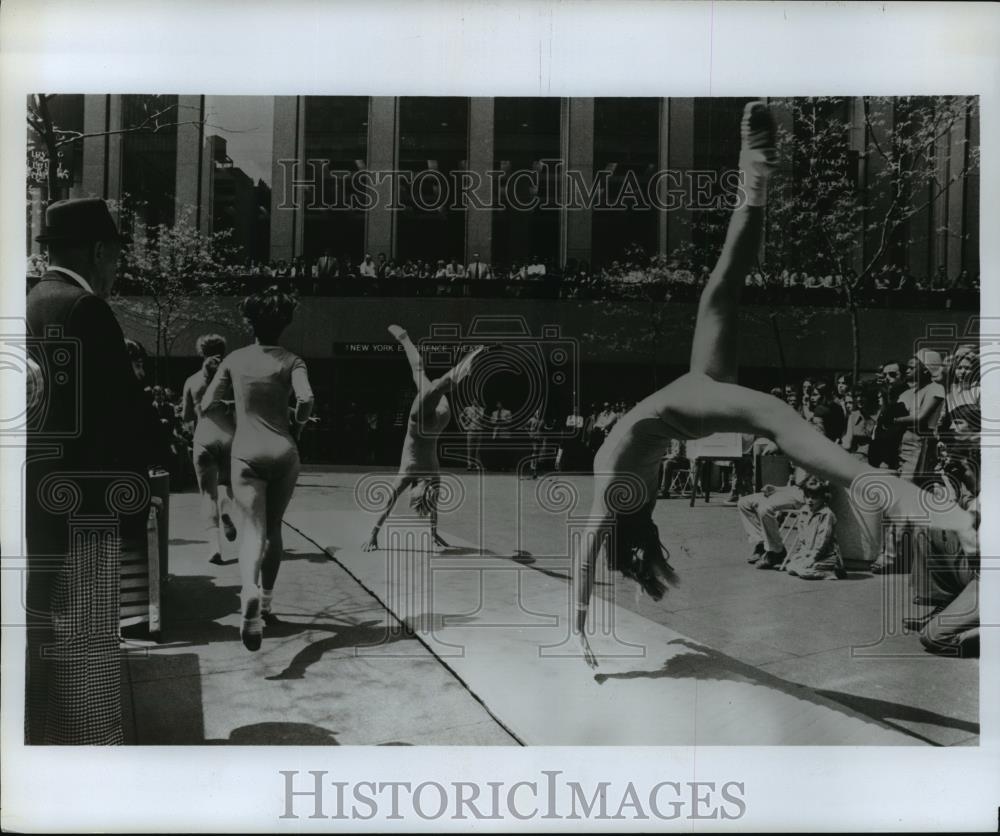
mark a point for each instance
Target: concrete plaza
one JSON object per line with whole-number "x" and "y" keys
{"x": 470, "y": 646}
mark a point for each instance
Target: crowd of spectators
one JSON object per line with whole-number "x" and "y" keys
{"x": 662, "y": 277}
{"x": 919, "y": 419}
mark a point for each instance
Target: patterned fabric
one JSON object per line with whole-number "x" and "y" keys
{"x": 74, "y": 662}
{"x": 815, "y": 552}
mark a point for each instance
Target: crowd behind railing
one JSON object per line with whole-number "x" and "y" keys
{"x": 637, "y": 276}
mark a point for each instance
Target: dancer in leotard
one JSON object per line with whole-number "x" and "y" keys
{"x": 419, "y": 469}
{"x": 704, "y": 401}
{"x": 212, "y": 439}
{"x": 265, "y": 457}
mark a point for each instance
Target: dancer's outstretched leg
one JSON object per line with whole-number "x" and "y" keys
{"x": 715, "y": 349}
{"x": 400, "y": 485}
{"x": 413, "y": 357}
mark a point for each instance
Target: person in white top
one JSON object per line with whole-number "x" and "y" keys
{"x": 477, "y": 269}
{"x": 367, "y": 267}
{"x": 923, "y": 400}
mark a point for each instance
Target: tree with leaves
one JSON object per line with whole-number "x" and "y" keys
{"x": 172, "y": 281}
{"x": 853, "y": 189}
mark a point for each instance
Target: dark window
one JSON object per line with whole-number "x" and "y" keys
{"x": 526, "y": 134}
{"x": 626, "y": 145}
{"x": 433, "y": 142}
{"x": 336, "y": 131}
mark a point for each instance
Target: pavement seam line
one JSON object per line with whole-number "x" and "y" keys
{"x": 415, "y": 635}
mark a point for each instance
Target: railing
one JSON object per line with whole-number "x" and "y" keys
{"x": 554, "y": 286}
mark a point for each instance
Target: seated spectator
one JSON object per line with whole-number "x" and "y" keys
{"x": 815, "y": 555}
{"x": 392, "y": 270}
{"x": 441, "y": 272}
{"x": 759, "y": 515}
{"x": 516, "y": 273}
{"x": 409, "y": 269}
{"x": 950, "y": 585}
{"x": 380, "y": 264}
{"x": 366, "y": 268}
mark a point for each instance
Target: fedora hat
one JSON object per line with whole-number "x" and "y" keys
{"x": 83, "y": 219}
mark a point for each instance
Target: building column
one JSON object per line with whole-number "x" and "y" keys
{"x": 383, "y": 156}
{"x": 289, "y": 178}
{"x": 188, "y": 195}
{"x": 94, "y": 164}
{"x": 679, "y": 123}
{"x": 101, "y": 166}
{"x": 479, "y": 222}
{"x": 577, "y": 151}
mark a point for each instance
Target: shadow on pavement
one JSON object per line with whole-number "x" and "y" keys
{"x": 278, "y": 734}
{"x": 886, "y": 711}
{"x": 197, "y": 598}
{"x": 705, "y": 663}
{"x": 367, "y": 634}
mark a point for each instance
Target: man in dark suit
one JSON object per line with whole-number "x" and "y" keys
{"x": 88, "y": 453}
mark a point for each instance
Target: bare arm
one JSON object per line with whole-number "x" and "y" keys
{"x": 220, "y": 386}
{"x": 189, "y": 413}
{"x": 303, "y": 392}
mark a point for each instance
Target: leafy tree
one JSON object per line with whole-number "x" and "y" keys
{"x": 171, "y": 281}
{"x": 845, "y": 202}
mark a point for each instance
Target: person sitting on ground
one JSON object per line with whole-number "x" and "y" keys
{"x": 815, "y": 555}
{"x": 759, "y": 515}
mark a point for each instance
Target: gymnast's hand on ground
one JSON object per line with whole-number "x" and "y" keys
{"x": 371, "y": 545}
{"x": 588, "y": 654}
{"x": 439, "y": 541}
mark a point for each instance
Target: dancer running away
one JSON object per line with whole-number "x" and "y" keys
{"x": 265, "y": 458}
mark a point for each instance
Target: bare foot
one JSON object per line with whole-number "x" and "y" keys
{"x": 371, "y": 545}
{"x": 439, "y": 541}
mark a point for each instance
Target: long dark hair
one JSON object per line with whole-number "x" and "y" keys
{"x": 636, "y": 552}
